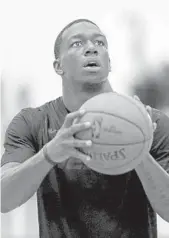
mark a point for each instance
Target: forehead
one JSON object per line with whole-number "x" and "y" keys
{"x": 82, "y": 28}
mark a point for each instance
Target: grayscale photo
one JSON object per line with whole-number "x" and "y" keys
{"x": 85, "y": 119}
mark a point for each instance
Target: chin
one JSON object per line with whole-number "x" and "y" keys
{"x": 93, "y": 86}
{"x": 97, "y": 82}
{"x": 95, "y": 78}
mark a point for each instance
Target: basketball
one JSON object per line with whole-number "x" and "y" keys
{"x": 121, "y": 133}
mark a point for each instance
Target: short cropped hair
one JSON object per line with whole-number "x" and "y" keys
{"x": 58, "y": 40}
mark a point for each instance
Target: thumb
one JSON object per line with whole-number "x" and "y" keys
{"x": 154, "y": 126}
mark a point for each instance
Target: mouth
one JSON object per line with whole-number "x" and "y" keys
{"x": 91, "y": 64}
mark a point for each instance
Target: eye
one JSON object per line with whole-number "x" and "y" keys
{"x": 99, "y": 43}
{"x": 76, "y": 44}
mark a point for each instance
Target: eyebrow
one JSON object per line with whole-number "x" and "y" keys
{"x": 82, "y": 36}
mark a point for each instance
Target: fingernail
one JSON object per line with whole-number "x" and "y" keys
{"x": 154, "y": 126}
{"x": 88, "y": 158}
{"x": 87, "y": 123}
{"x": 89, "y": 142}
{"x": 82, "y": 111}
{"x": 148, "y": 107}
{"x": 136, "y": 97}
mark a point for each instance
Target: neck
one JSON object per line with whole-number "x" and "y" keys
{"x": 74, "y": 96}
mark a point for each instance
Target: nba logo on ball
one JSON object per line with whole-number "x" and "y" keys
{"x": 98, "y": 130}
{"x": 121, "y": 133}
{"x": 96, "y": 127}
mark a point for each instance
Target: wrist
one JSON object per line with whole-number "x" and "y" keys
{"x": 147, "y": 165}
{"x": 46, "y": 156}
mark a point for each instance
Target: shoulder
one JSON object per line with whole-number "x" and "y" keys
{"x": 27, "y": 122}
{"x": 23, "y": 121}
{"x": 32, "y": 116}
{"x": 23, "y": 137}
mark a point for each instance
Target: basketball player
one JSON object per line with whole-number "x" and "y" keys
{"x": 41, "y": 155}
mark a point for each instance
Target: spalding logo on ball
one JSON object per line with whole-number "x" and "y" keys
{"x": 121, "y": 133}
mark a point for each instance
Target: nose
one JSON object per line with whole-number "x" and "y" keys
{"x": 91, "y": 50}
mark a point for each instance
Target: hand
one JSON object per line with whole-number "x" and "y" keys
{"x": 149, "y": 110}
{"x": 64, "y": 145}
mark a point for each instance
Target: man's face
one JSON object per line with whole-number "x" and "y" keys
{"x": 83, "y": 54}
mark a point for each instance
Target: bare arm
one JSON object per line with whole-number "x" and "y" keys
{"x": 155, "y": 181}
{"x": 153, "y": 170}
{"x": 19, "y": 182}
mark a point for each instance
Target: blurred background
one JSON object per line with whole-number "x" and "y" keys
{"x": 138, "y": 36}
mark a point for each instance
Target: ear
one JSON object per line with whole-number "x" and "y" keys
{"x": 109, "y": 65}
{"x": 57, "y": 66}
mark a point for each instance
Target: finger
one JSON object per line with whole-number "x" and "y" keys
{"x": 76, "y": 143}
{"x": 72, "y": 116}
{"x": 154, "y": 126}
{"x": 81, "y": 143}
{"x": 137, "y": 98}
{"x": 149, "y": 110}
{"x": 80, "y": 155}
{"x": 77, "y": 127}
